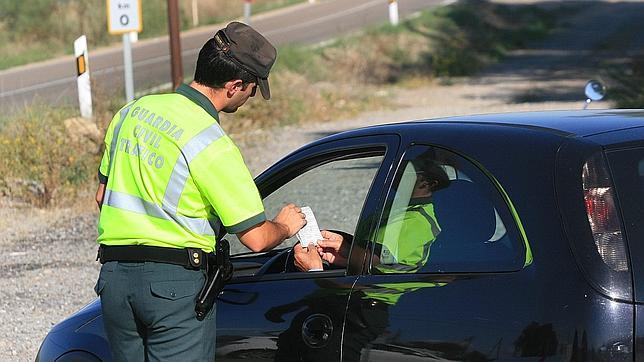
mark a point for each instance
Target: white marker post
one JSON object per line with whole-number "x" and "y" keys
{"x": 124, "y": 17}
{"x": 195, "y": 13}
{"x": 82, "y": 81}
{"x": 247, "y": 9}
{"x": 393, "y": 12}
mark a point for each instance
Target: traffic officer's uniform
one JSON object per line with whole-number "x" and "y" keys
{"x": 174, "y": 181}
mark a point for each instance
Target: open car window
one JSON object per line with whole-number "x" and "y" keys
{"x": 335, "y": 188}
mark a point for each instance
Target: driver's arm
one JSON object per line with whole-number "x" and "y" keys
{"x": 334, "y": 249}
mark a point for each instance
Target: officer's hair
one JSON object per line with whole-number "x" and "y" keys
{"x": 214, "y": 68}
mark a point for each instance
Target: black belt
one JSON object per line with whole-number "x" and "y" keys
{"x": 190, "y": 257}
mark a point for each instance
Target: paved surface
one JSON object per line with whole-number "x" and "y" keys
{"x": 55, "y": 81}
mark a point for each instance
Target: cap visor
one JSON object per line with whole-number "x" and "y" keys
{"x": 263, "y": 87}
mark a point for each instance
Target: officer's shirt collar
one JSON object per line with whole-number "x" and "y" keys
{"x": 200, "y": 99}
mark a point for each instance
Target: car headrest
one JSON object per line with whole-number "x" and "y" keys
{"x": 464, "y": 213}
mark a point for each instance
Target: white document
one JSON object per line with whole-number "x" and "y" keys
{"x": 310, "y": 233}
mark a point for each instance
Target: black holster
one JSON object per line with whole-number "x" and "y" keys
{"x": 218, "y": 272}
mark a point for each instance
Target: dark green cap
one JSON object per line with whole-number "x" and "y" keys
{"x": 248, "y": 49}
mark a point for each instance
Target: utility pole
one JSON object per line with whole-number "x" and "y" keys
{"x": 175, "y": 43}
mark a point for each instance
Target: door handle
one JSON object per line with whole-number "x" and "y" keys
{"x": 317, "y": 330}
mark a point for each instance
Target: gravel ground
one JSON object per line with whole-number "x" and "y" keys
{"x": 47, "y": 258}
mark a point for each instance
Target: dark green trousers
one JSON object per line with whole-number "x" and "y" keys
{"x": 148, "y": 312}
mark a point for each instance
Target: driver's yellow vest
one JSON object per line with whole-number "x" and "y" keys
{"x": 407, "y": 252}
{"x": 173, "y": 177}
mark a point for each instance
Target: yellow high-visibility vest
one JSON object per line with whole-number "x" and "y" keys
{"x": 173, "y": 177}
{"x": 407, "y": 252}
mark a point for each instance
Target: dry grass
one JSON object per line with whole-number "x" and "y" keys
{"x": 43, "y": 166}
{"x": 43, "y": 162}
{"x": 32, "y": 31}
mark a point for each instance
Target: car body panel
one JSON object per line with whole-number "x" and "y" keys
{"x": 559, "y": 304}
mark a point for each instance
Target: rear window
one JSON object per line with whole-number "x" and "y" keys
{"x": 627, "y": 168}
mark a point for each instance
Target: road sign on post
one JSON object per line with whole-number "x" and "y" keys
{"x": 124, "y": 17}
{"x": 82, "y": 81}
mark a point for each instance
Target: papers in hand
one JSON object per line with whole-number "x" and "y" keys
{"x": 310, "y": 233}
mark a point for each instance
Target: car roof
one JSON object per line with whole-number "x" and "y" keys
{"x": 573, "y": 123}
{"x": 569, "y": 124}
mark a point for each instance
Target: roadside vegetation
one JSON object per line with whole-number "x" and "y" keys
{"x": 627, "y": 82}
{"x": 32, "y": 30}
{"x": 623, "y": 67}
{"x": 47, "y": 162}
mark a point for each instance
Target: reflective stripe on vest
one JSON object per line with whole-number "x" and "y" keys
{"x": 432, "y": 222}
{"x": 174, "y": 188}
{"x": 115, "y": 134}
{"x": 180, "y": 172}
{"x": 123, "y": 201}
{"x": 435, "y": 230}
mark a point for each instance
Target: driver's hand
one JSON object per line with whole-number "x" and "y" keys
{"x": 332, "y": 248}
{"x": 307, "y": 259}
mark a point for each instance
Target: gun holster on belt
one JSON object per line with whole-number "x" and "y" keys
{"x": 218, "y": 272}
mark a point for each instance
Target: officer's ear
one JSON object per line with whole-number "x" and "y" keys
{"x": 233, "y": 86}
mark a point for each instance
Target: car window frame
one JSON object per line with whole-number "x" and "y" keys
{"x": 318, "y": 154}
{"x": 628, "y": 231}
{"x": 513, "y": 220}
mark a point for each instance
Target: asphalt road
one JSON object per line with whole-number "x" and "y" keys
{"x": 54, "y": 81}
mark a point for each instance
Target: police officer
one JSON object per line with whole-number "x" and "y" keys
{"x": 171, "y": 183}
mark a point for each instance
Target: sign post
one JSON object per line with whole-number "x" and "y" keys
{"x": 82, "y": 81}
{"x": 124, "y": 17}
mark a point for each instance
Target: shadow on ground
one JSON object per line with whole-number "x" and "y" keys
{"x": 591, "y": 37}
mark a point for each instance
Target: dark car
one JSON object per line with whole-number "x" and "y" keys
{"x": 536, "y": 249}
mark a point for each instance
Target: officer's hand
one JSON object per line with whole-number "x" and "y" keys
{"x": 292, "y": 218}
{"x": 306, "y": 258}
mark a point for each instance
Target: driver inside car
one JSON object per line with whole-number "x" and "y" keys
{"x": 403, "y": 244}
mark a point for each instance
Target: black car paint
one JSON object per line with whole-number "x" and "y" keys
{"x": 550, "y": 309}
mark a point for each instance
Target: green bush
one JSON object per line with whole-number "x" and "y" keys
{"x": 628, "y": 91}
{"x": 473, "y": 33}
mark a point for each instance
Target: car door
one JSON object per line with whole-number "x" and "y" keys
{"x": 270, "y": 311}
{"x": 444, "y": 251}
